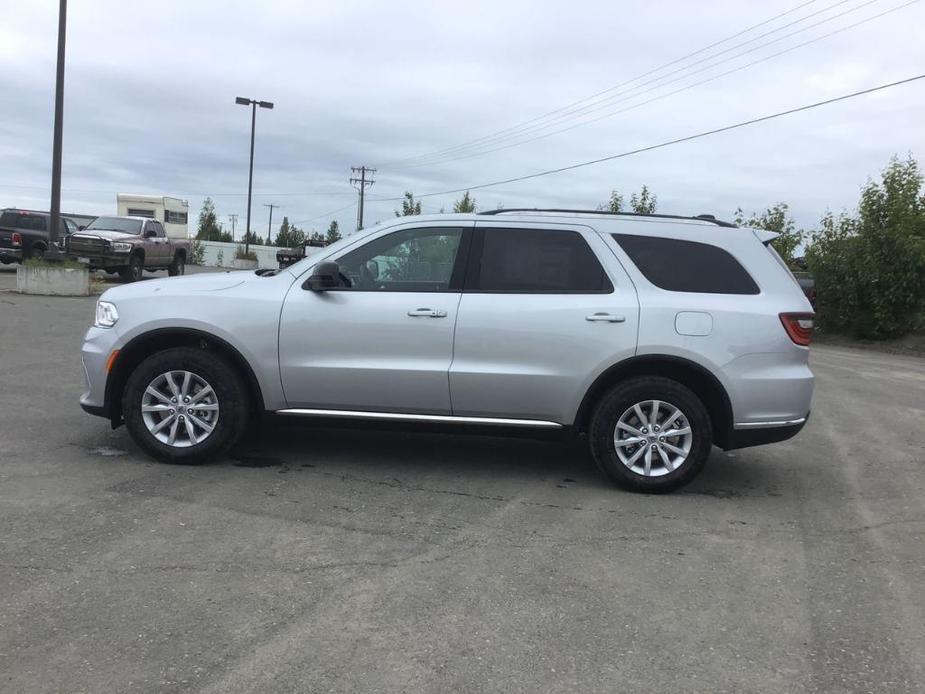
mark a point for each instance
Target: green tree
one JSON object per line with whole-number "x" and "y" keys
{"x": 253, "y": 238}
{"x": 209, "y": 229}
{"x": 777, "y": 219}
{"x": 316, "y": 237}
{"x": 870, "y": 269}
{"x": 645, "y": 202}
{"x": 283, "y": 236}
{"x": 333, "y": 233}
{"x": 465, "y": 204}
{"x": 409, "y": 206}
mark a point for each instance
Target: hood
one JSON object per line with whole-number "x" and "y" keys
{"x": 106, "y": 234}
{"x": 188, "y": 284}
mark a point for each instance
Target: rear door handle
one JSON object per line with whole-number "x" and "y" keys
{"x": 427, "y": 313}
{"x": 605, "y": 318}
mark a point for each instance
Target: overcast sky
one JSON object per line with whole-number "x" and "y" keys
{"x": 150, "y": 88}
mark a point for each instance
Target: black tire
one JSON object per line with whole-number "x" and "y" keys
{"x": 135, "y": 269}
{"x": 178, "y": 266}
{"x": 231, "y": 395}
{"x": 623, "y": 396}
{"x": 37, "y": 251}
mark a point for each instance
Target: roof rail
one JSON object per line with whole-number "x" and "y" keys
{"x": 700, "y": 218}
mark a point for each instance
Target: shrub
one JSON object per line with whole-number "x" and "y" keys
{"x": 870, "y": 269}
{"x": 241, "y": 254}
{"x": 197, "y": 252}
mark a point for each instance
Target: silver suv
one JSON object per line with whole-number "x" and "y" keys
{"x": 656, "y": 336}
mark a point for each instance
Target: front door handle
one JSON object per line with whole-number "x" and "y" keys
{"x": 605, "y": 318}
{"x": 427, "y": 313}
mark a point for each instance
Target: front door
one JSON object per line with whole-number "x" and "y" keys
{"x": 384, "y": 341}
{"x": 540, "y": 318}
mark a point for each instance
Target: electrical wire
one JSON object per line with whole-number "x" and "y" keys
{"x": 668, "y": 143}
{"x": 568, "y": 111}
{"x": 671, "y": 93}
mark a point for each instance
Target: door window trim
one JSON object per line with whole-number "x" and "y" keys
{"x": 474, "y": 266}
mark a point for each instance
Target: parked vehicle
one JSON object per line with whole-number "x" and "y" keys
{"x": 656, "y": 336}
{"x": 129, "y": 246}
{"x": 287, "y": 256}
{"x": 808, "y": 284}
{"x": 24, "y": 234}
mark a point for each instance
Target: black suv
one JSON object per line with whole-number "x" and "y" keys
{"x": 24, "y": 234}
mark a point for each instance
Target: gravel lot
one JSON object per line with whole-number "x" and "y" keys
{"x": 326, "y": 559}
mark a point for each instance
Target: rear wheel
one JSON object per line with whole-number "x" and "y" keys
{"x": 185, "y": 405}
{"x": 650, "y": 434}
{"x": 178, "y": 266}
{"x": 37, "y": 251}
{"x": 135, "y": 269}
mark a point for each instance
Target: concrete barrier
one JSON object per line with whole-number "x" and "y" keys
{"x": 52, "y": 281}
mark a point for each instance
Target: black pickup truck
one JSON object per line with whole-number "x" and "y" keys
{"x": 24, "y": 234}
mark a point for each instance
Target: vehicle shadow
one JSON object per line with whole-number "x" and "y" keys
{"x": 356, "y": 449}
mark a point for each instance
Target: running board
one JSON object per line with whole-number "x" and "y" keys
{"x": 398, "y": 416}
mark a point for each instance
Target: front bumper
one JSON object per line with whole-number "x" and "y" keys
{"x": 100, "y": 262}
{"x": 98, "y": 344}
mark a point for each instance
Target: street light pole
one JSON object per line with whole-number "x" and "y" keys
{"x": 55, "y": 217}
{"x": 253, "y": 103}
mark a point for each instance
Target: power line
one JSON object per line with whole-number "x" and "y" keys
{"x": 567, "y": 112}
{"x": 609, "y": 89}
{"x": 184, "y": 194}
{"x": 668, "y": 143}
{"x": 326, "y": 214}
{"x": 610, "y": 114}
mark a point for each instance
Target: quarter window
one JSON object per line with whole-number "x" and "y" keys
{"x": 687, "y": 266}
{"x": 538, "y": 261}
{"x": 410, "y": 260}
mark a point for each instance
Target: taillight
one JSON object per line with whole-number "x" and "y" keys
{"x": 16, "y": 239}
{"x": 799, "y": 327}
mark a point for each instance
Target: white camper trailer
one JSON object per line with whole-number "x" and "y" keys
{"x": 172, "y": 212}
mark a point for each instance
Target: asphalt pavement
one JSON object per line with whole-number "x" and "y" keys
{"x": 332, "y": 559}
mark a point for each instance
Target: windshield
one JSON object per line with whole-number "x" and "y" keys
{"x": 126, "y": 226}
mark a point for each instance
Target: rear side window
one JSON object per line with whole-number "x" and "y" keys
{"x": 23, "y": 220}
{"x": 538, "y": 261}
{"x": 687, "y": 266}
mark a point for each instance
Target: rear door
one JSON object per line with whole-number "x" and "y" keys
{"x": 540, "y": 317}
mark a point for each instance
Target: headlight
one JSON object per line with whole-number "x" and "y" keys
{"x": 122, "y": 247}
{"x": 106, "y": 314}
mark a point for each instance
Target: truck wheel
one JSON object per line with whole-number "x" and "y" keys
{"x": 650, "y": 434}
{"x": 135, "y": 269}
{"x": 37, "y": 251}
{"x": 185, "y": 405}
{"x": 178, "y": 267}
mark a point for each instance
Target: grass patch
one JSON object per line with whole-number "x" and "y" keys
{"x": 63, "y": 264}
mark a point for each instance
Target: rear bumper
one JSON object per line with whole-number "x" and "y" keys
{"x": 745, "y": 436}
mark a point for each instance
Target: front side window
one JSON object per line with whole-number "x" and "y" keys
{"x": 410, "y": 260}
{"x": 538, "y": 261}
{"x": 687, "y": 266}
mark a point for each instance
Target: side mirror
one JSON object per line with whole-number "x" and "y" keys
{"x": 325, "y": 275}
{"x": 150, "y": 234}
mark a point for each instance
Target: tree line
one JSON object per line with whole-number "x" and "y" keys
{"x": 288, "y": 235}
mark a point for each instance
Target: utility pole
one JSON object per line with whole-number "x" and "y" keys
{"x": 234, "y": 219}
{"x": 270, "y": 223}
{"x": 364, "y": 181}
{"x": 55, "y": 220}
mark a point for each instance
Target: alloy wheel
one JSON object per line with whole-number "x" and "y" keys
{"x": 180, "y": 409}
{"x": 653, "y": 438}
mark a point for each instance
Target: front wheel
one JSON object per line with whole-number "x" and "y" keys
{"x": 650, "y": 434}
{"x": 178, "y": 266}
{"x": 185, "y": 405}
{"x": 135, "y": 269}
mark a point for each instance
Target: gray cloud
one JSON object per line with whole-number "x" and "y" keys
{"x": 150, "y": 103}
